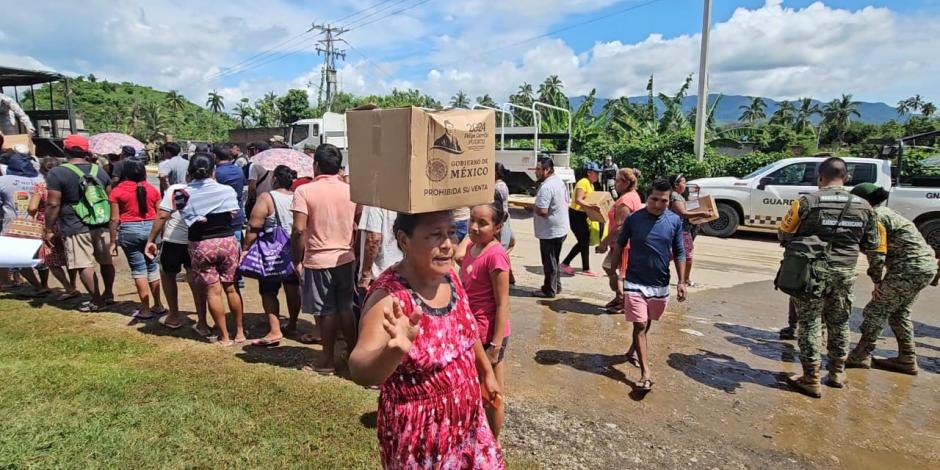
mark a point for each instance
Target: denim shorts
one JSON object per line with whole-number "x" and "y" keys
{"x": 132, "y": 238}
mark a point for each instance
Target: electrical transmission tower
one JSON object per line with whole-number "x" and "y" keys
{"x": 327, "y": 47}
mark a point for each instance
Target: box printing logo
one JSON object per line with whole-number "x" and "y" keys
{"x": 437, "y": 167}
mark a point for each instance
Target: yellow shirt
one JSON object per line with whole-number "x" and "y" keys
{"x": 588, "y": 188}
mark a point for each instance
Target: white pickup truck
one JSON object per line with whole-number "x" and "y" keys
{"x": 761, "y": 199}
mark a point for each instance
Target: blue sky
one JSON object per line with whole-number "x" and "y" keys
{"x": 878, "y": 50}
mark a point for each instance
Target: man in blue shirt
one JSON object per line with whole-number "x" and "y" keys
{"x": 229, "y": 174}
{"x": 655, "y": 237}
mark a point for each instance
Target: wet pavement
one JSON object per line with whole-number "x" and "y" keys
{"x": 720, "y": 399}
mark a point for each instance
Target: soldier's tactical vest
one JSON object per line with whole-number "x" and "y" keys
{"x": 824, "y": 208}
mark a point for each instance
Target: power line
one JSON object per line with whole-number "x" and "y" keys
{"x": 336, "y": 21}
{"x": 260, "y": 59}
{"x": 268, "y": 60}
{"x": 244, "y": 64}
{"x": 554, "y": 32}
{"x": 374, "y": 65}
{"x": 376, "y": 12}
{"x": 362, "y": 25}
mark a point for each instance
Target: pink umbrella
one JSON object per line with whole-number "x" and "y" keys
{"x": 299, "y": 162}
{"x": 111, "y": 142}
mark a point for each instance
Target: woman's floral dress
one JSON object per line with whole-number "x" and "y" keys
{"x": 430, "y": 409}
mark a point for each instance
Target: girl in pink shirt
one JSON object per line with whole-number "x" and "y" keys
{"x": 484, "y": 272}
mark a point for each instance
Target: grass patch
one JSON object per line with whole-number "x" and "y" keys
{"x": 86, "y": 391}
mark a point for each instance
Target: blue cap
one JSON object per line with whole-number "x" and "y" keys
{"x": 591, "y": 166}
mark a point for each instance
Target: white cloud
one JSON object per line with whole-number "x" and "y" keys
{"x": 771, "y": 51}
{"x": 474, "y": 46}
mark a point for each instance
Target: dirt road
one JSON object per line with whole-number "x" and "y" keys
{"x": 719, "y": 400}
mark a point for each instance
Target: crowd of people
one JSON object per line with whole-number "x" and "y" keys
{"x": 419, "y": 302}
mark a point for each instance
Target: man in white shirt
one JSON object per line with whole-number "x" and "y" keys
{"x": 551, "y": 224}
{"x": 379, "y": 247}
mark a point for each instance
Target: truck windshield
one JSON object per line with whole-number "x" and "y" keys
{"x": 298, "y": 133}
{"x": 759, "y": 171}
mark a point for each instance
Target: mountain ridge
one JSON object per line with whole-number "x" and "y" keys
{"x": 729, "y": 108}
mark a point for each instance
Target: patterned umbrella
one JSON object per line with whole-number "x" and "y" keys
{"x": 299, "y": 162}
{"x": 111, "y": 142}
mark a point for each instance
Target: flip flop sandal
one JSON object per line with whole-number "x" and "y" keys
{"x": 645, "y": 385}
{"x": 137, "y": 316}
{"x": 203, "y": 333}
{"x": 68, "y": 296}
{"x": 264, "y": 342}
{"x": 224, "y": 344}
{"x": 89, "y": 307}
{"x": 161, "y": 312}
{"x": 171, "y": 326}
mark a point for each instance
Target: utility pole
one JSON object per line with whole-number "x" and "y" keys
{"x": 701, "y": 110}
{"x": 327, "y": 47}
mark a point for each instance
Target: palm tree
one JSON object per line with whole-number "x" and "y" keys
{"x": 928, "y": 109}
{"x": 243, "y": 111}
{"x": 523, "y": 98}
{"x": 804, "y": 114}
{"x": 838, "y": 114}
{"x": 460, "y": 100}
{"x": 175, "y": 101}
{"x": 155, "y": 123}
{"x": 753, "y": 112}
{"x": 486, "y": 100}
{"x": 215, "y": 103}
{"x": 915, "y": 102}
{"x": 903, "y": 108}
{"x": 784, "y": 115}
{"x": 551, "y": 91}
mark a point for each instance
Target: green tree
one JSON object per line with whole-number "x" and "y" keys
{"x": 175, "y": 101}
{"x": 215, "y": 102}
{"x": 486, "y": 100}
{"x": 804, "y": 115}
{"x": 910, "y": 105}
{"x": 754, "y": 112}
{"x": 928, "y": 109}
{"x": 266, "y": 112}
{"x": 838, "y": 114}
{"x": 155, "y": 123}
{"x": 784, "y": 115}
{"x": 293, "y": 105}
{"x": 524, "y": 99}
{"x": 243, "y": 111}
{"x": 460, "y": 100}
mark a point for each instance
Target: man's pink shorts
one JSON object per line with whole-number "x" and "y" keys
{"x": 640, "y": 309}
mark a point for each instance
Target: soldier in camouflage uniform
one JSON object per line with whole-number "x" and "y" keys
{"x": 910, "y": 267}
{"x": 818, "y": 215}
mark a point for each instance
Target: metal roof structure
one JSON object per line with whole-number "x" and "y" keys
{"x": 19, "y": 77}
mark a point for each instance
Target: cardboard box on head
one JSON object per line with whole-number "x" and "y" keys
{"x": 412, "y": 161}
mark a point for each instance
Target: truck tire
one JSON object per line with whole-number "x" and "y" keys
{"x": 930, "y": 229}
{"x": 727, "y": 223}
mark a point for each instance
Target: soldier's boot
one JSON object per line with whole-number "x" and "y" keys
{"x": 836, "y": 378}
{"x": 905, "y": 363}
{"x": 788, "y": 333}
{"x": 808, "y": 383}
{"x": 860, "y": 357}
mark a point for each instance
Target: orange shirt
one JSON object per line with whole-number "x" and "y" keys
{"x": 330, "y": 221}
